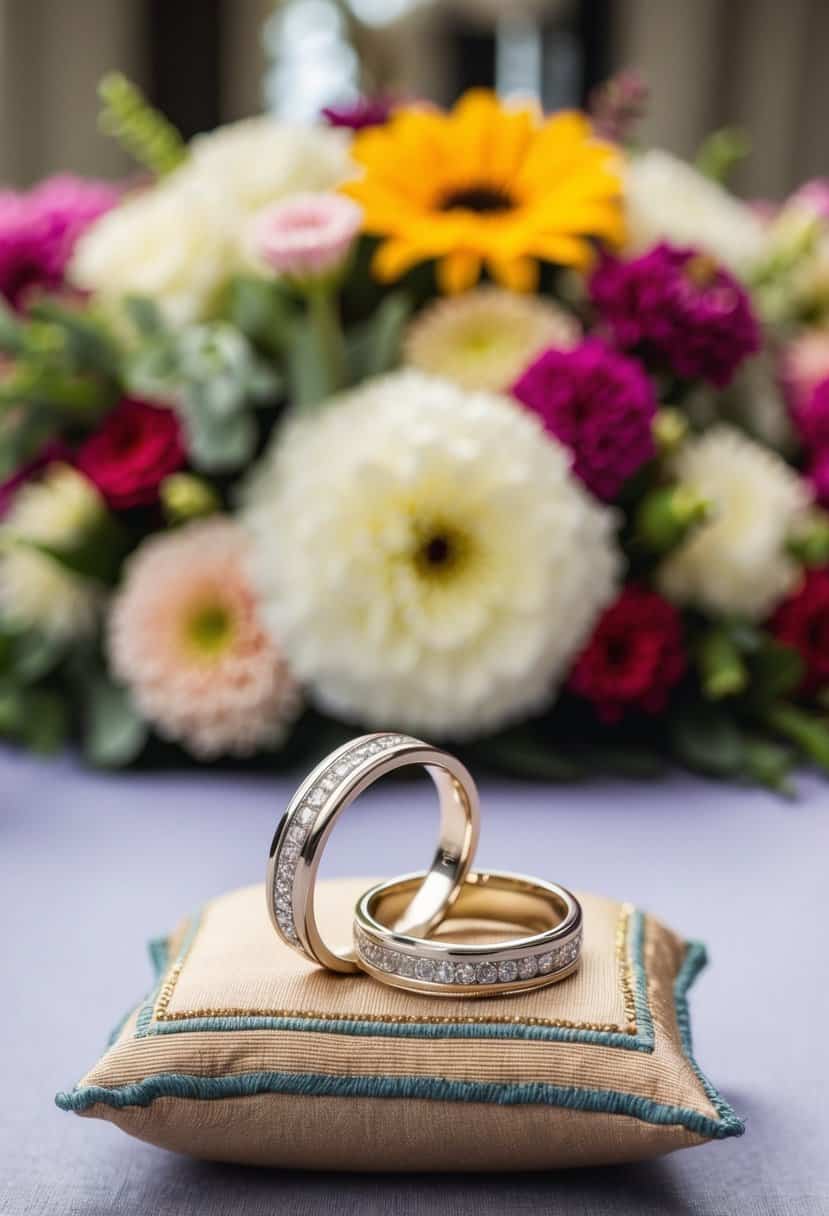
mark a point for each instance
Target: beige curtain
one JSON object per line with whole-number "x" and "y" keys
{"x": 756, "y": 63}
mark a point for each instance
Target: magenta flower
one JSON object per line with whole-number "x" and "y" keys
{"x": 819, "y": 478}
{"x": 679, "y": 307}
{"x": 358, "y": 114}
{"x": 39, "y": 228}
{"x": 598, "y": 403}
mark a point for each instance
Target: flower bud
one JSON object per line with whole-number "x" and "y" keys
{"x": 666, "y": 515}
{"x": 721, "y": 668}
{"x": 184, "y": 496}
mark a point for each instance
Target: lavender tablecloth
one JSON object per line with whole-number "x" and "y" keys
{"x": 92, "y": 866}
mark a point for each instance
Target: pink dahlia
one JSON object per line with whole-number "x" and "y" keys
{"x": 598, "y": 403}
{"x": 135, "y": 448}
{"x": 634, "y": 658}
{"x": 187, "y": 638}
{"x": 679, "y": 307}
{"x": 39, "y": 228}
{"x": 804, "y": 363}
{"x": 309, "y": 236}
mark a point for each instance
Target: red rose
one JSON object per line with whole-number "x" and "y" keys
{"x": 137, "y": 446}
{"x": 634, "y": 658}
{"x": 802, "y": 622}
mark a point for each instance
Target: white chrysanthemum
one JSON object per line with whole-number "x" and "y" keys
{"x": 736, "y": 563}
{"x": 484, "y": 339}
{"x": 427, "y": 557}
{"x": 259, "y": 160}
{"x": 37, "y": 591}
{"x": 171, "y": 242}
{"x": 186, "y": 636}
{"x": 667, "y": 199}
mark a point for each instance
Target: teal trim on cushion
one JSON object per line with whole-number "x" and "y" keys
{"x": 607, "y": 1101}
{"x": 643, "y": 1040}
{"x": 181, "y": 1085}
{"x": 696, "y": 957}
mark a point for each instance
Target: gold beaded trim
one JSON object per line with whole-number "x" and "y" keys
{"x": 161, "y": 1011}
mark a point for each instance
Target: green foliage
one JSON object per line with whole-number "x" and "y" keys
{"x": 707, "y": 739}
{"x": 721, "y": 152}
{"x": 525, "y": 752}
{"x": 114, "y": 733}
{"x": 374, "y": 346}
{"x": 722, "y": 671}
{"x": 141, "y": 130}
{"x": 216, "y": 380}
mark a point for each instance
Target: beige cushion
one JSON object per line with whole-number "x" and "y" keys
{"x": 244, "y": 1052}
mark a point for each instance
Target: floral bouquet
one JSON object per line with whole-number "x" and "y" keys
{"x": 487, "y": 425}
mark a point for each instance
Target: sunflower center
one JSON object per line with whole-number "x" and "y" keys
{"x": 476, "y": 198}
{"x": 440, "y": 552}
{"x": 209, "y": 629}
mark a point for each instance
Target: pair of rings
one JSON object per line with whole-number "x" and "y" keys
{"x": 400, "y": 927}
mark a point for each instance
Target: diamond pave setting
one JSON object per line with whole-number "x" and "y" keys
{"x": 327, "y": 783}
{"x": 544, "y": 961}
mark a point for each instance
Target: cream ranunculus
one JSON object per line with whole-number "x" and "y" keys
{"x": 669, "y": 200}
{"x": 737, "y": 563}
{"x": 36, "y": 590}
{"x": 171, "y": 242}
{"x": 426, "y": 556}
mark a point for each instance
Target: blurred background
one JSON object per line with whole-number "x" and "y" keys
{"x": 758, "y": 64}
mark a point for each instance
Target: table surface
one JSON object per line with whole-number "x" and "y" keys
{"x": 92, "y": 866}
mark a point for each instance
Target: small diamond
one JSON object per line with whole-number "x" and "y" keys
{"x": 328, "y": 781}
{"x": 391, "y": 960}
{"x": 545, "y": 963}
{"x": 465, "y": 973}
{"x": 425, "y": 969}
{"x": 306, "y": 815}
{"x": 284, "y": 918}
{"x": 508, "y": 971}
{"x": 289, "y": 851}
{"x": 445, "y": 973}
{"x": 341, "y": 769}
{"x": 289, "y": 931}
{"x": 287, "y": 869}
{"x": 316, "y": 796}
{"x": 527, "y": 968}
{"x": 407, "y": 966}
{"x": 297, "y": 833}
{"x": 486, "y": 973}
{"x": 283, "y": 887}
{"x": 284, "y": 905}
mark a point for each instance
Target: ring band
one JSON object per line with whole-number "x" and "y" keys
{"x": 450, "y": 968}
{"x": 309, "y": 820}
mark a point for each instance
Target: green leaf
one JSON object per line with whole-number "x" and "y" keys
{"x": 309, "y": 381}
{"x": 95, "y": 555}
{"x": 523, "y": 753}
{"x": 769, "y": 764}
{"x": 721, "y": 151}
{"x": 776, "y": 672}
{"x": 263, "y": 312}
{"x": 114, "y": 732}
{"x": 12, "y": 711}
{"x": 722, "y": 670}
{"x": 12, "y": 332}
{"x": 46, "y": 722}
{"x": 707, "y": 739}
{"x": 33, "y": 655}
{"x": 219, "y": 445}
{"x": 807, "y": 731}
{"x": 375, "y": 347}
{"x": 87, "y": 343}
{"x": 145, "y": 315}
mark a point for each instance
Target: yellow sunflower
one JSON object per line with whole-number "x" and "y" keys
{"x": 486, "y": 183}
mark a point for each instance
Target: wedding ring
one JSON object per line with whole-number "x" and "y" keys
{"x": 309, "y": 820}
{"x": 439, "y": 966}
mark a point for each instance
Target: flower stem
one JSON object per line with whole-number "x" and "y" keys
{"x": 324, "y": 315}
